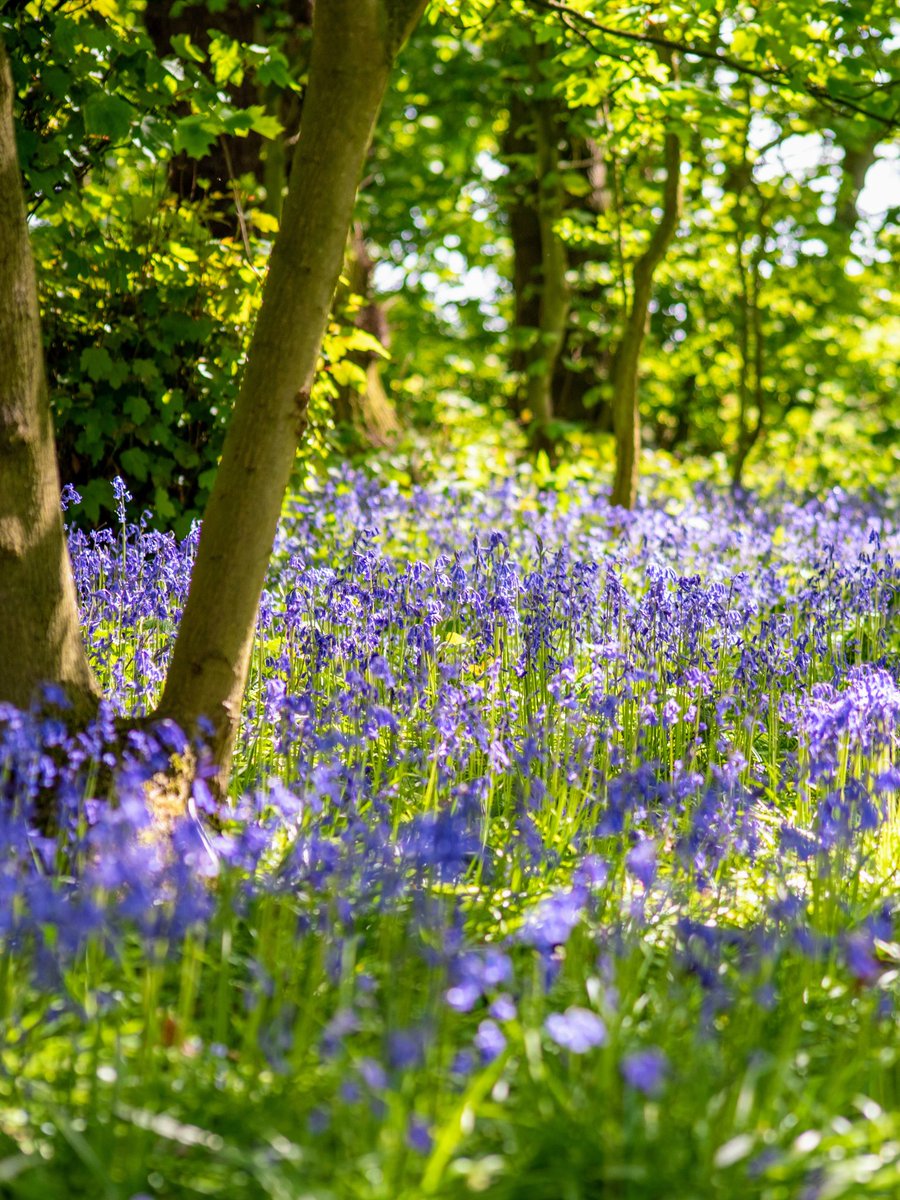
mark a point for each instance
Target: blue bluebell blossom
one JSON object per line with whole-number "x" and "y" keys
{"x": 645, "y": 1070}
{"x": 490, "y": 1041}
{"x": 577, "y": 1029}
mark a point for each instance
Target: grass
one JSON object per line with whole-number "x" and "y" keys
{"x": 562, "y": 864}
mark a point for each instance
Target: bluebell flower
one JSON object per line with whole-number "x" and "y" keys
{"x": 503, "y": 1008}
{"x": 463, "y": 1064}
{"x": 406, "y": 1048}
{"x": 577, "y": 1029}
{"x": 418, "y": 1135}
{"x": 319, "y": 1120}
{"x": 490, "y": 1041}
{"x": 551, "y": 922}
{"x": 641, "y": 861}
{"x": 344, "y": 1022}
{"x": 861, "y": 958}
{"x": 373, "y": 1074}
{"x": 69, "y": 496}
{"x": 645, "y": 1070}
{"x": 276, "y": 1038}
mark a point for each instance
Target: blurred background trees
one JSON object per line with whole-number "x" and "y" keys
{"x": 671, "y": 229}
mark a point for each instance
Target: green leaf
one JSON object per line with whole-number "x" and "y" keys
{"x": 109, "y": 117}
{"x": 185, "y": 455}
{"x": 274, "y": 71}
{"x": 94, "y": 497}
{"x": 145, "y": 369}
{"x": 575, "y": 183}
{"x": 118, "y": 373}
{"x": 183, "y": 253}
{"x": 185, "y": 48}
{"x": 135, "y": 463}
{"x": 195, "y": 134}
{"x": 96, "y": 361}
{"x": 227, "y": 60}
{"x": 359, "y": 339}
{"x": 266, "y": 125}
{"x": 163, "y": 505}
{"x": 348, "y": 374}
{"x": 137, "y": 408}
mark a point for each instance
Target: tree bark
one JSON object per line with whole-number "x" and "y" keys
{"x": 626, "y": 410}
{"x": 354, "y": 44}
{"x": 751, "y": 364}
{"x": 40, "y": 636}
{"x": 365, "y": 411}
{"x": 212, "y": 177}
{"x": 553, "y": 307}
{"x": 859, "y": 156}
{"x": 525, "y": 234}
{"x": 585, "y": 359}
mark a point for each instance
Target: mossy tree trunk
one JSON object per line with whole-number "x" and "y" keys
{"x": 354, "y": 44}
{"x": 580, "y": 358}
{"x": 583, "y": 367}
{"x": 40, "y": 637}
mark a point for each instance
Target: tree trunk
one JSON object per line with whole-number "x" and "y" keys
{"x": 40, "y": 637}
{"x": 553, "y": 307}
{"x": 859, "y": 156}
{"x": 354, "y": 43}
{"x": 749, "y": 435}
{"x": 626, "y": 411}
{"x": 212, "y": 178}
{"x": 751, "y": 365}
{"x": 365, "y": 410}
{"x": 585, "y": 360}
{"x": 751, "y": 345}
{"x": 525, "y": 234}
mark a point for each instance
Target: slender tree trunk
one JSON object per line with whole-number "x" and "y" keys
{"x": 749, "y": 435}
{"x": 213, "y": 176}
{"x": 585, "y": 359}
{"x": 553, "y": 308}
{"x": 741, "y": 447}
{"x": 365, "y": 410}
{"x": 626, "y": 411}
{"x": 40, "y": 636}
{"x": 751, "y": 343}
{"x": 859, "y": 156}
{"x": 354, "y": 43}
{"x": 525, "y": 233}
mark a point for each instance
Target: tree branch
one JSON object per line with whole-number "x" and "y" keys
{"x": 777, "y": 76}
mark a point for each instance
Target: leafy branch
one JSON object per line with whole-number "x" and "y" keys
{"x": 776, "y": 76}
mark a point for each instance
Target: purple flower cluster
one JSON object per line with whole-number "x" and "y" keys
{"x": 524, "y": 743}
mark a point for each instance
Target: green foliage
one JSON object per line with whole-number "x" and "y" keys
{"x": 826, "y": 299}
{"x": 146, "y": 314}
{"x": 149, "y": 301}
{"x": 132, "y": 310}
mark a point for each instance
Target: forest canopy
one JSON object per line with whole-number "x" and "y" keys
{"x": 663, "y": 227}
